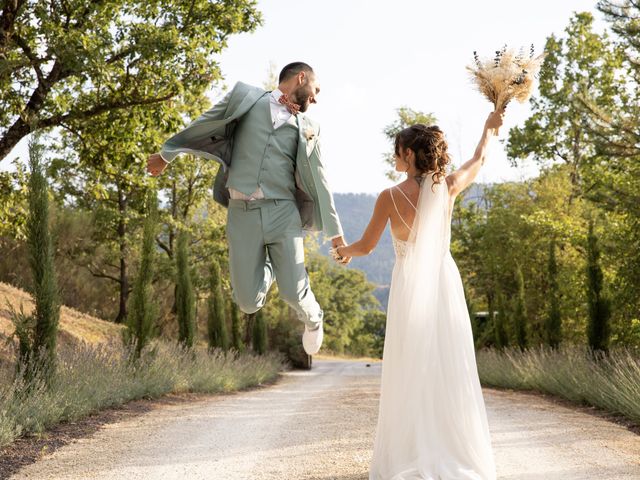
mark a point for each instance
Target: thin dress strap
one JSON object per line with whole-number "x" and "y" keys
{"x": 396, "y": 206}
{"x": 405, "y": 196}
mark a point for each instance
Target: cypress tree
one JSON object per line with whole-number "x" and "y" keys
{"x": 260, "y": 333}
{"x": 142, "y": 313}
{"x": 217, "y": 319}
{"x": 501, "y": 338}
{"x": 236, "y": 327}
{"x": 38, "y": 349}
{"x": 599, "y": 306}
{"x": 249, "y": 321}
{"x": 185, "y": 299}
{"x": 520, "y": 311}
{"x": 553, "y": 323}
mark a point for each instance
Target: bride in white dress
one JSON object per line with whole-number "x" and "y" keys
{"x": 432, "y": 423}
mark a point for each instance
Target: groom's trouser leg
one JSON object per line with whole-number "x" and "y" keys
{"x": 250, "y": 271}
{"x": 258, "y": 226}
{"x": 284, "y": 240}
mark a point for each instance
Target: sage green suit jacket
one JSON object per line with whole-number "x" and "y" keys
{"x": 211, "y": 136}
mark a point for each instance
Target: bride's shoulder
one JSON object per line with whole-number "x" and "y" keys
{"x": 385, "y": 195}
{"x": 384, "y": 198}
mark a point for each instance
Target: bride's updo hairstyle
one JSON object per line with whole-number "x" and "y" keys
{"x": 429, "y": 146}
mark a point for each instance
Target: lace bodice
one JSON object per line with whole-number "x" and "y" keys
{"x": 399, "y": 246}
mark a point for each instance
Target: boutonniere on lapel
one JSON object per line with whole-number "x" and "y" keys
{"x": 309, "y": 134}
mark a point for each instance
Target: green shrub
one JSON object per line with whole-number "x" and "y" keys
{"x": 610, "y": 382}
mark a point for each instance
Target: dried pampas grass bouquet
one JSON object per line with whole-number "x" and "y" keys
{"x": 506, "y": 76}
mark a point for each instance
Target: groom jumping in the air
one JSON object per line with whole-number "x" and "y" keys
{"x": 274, "y": 185}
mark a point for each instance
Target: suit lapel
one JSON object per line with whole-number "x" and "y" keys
{"x": 248, "y": 101}
{"x": 302, "y": 140}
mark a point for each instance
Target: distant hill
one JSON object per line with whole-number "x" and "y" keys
{"x": 355, "y": 211}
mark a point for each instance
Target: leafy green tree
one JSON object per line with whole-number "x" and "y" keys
{"x": 582, "y": 64}
{"x": 599, "y": 305}
{"x": 100, "y": 168}
{"x": 70, "y": 62}
{"x": 185, "y": 298}
{"x": 512, "y": 223}
{"x": 406, "y": 118}
{"x": 346, "y": 297}
{"x": 13, "y": 208}
{"x": 217, "y": 334}
{"x": 142, "y": 315}
{"x": 614, "y": 181}
{"x": 623, "y": 18}
{"x": 190, "y": 207}
{"x": 370, "y": 340}
{"x": 586, "y": 117}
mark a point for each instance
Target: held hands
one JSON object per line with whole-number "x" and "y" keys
{"x": 336, "y": 243}
{"x": 156, "y": 164}
{"x": 494, "y": 121}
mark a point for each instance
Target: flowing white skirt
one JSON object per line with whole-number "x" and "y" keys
{"x": 432, "y": 422}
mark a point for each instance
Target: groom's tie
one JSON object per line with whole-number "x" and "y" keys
{"x": 293, "y": 108}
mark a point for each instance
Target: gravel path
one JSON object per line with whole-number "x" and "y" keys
{"x": 320, "y": 425}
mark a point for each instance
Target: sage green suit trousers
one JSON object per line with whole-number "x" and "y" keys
{"x": 265, "y": 244}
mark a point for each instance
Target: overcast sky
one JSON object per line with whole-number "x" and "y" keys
{"x": 372, "y": 57}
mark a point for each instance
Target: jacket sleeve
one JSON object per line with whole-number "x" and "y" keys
{"x": 198, "y": 133}
{"x": 330, "y": 221}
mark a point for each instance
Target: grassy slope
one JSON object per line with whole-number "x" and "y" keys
{"x": 75, "y": 327}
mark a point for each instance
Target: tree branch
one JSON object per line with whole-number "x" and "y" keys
{"x": 97, "y": 110}
{"x": 164, "y": 247}
{"x": 7, "y": 20}
{"x": 98, "y": 274}
{"x": 35, "y": 61}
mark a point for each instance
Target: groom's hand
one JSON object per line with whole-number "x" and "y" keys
{"x": 156, "y": 164}
{"x": 339, "y": 242}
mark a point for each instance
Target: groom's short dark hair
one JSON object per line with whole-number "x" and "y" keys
{"x": 292, "y": 70}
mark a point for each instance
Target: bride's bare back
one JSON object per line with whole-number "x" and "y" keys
{"x": 404, "y": 197}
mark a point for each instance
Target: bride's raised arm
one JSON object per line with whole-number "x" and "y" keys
{"x": 466, "y": 174}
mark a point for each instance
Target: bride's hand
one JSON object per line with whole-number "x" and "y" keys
{"x": 494, "y": 120}
{"x": 345, "y": 261}
{"x": 337, "y": 257}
